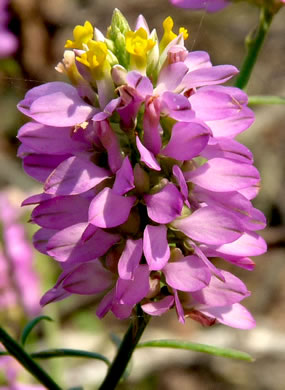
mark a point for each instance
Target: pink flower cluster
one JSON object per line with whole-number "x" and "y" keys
{"x": 16, "y": 262}
{"x": 144, "y": 183}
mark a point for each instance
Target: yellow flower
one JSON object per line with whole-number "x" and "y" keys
{"x": 169, "y": 35}
{"x": 82, "y": 35}
{"x": 138, "y": 45}
{"x": 95, "y": 57}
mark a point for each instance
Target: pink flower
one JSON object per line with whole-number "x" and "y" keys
{"x": 143, "y": 180}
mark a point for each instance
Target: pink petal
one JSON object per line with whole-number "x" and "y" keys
{"x": 155, "y": 246}
{"x": 187, "y": 141}
{"x": 165, "y": 205}
{"x": 210, "y": 225}
{"x": 209, "y": 76}
{"x": 55, "y": 104}
{"x": 187, "y": 274}
{"x": 108, "y": 209}
{"x": 236, "y": 316}
{"x": 59, "y": 140}
{"x": 221, "y": 175}
{"x": 88, "y": 278}
{"x": 170, "y": 77}
{"x": 249, "y": 244}
{"x": 222, "y": 293}
{"x": 67, "y": 245}
{"x": 159, "y": 307}
{"x": 130, "y": 258}
{"x": 124, "y": 181}
{"x": 55, "y": 213}
{"x": 131, "y": 292}
{"x": 151, "y": 125}
{"x": 146, "y": 156}
{"x": 74, "y": 176}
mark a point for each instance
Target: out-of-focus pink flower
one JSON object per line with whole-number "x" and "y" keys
{"x": 216, "y": 5}
{"x": 19, "y": 282}
{"x": 209, "y": 5}
{"x": 143, "y": 180}
{"x": 8, "y": 41}
{"x": 11, "y": 368}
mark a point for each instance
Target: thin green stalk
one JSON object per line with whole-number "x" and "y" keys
{"x": 125, "y": 351}
{"x": 254, "y": 42}
{"x": 257, "y": 100}
{"x": 26, "y": 361}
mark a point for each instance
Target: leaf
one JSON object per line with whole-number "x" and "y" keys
{"x": 67, "y": 352}
{"x": 212, "y": 350}
{"x": 30, "y": 326}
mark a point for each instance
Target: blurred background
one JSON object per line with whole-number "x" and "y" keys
{"x": 40, "y": 29}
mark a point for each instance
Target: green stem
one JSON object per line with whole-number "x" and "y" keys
{"x": 254, "y": 42}
{"x": 256, "y": 100}
{"x": 26, "y": 361}
{"x": 126, "y": 350}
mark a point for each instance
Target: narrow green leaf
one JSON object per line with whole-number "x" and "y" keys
{"x": 257, "y": 100}
{"x": 30, "y": 326}
{"x": 67, "y": 352}
{"x": 17, "y": 351}
{"x": 212, "y": 350}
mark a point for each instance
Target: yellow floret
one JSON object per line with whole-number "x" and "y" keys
{"x": 95, "y": 56}
{"x": 137, "y": 43}
{"x": 82, "y": 35}
{"x": 169, "y": 35}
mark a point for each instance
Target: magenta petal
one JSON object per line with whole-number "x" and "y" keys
{"x": 222, "y": 293}
{"x": 177, "y": 107}
{"x": 179, "y": 308}
{"x": 140, "y": 83}
{"x": 122, "y": 311}
{"x": 130, "y": 258}
{"x": 170, "y": 77}
{"x": 210, "y": 225}
{"x": 227, "y": 148}
{"x": 159, "y": 307}
{"x": 59, "y": 140}
{"x": 178, "y": 174}
{"x": 41, "y": 238}
{"x": 209, "y": 76}
{"x": 40, "y": 166}
{"x": 165, "y": 205}
{"x": 249, "y": 244}
{"x": 146, "y": 156}
{"x": 222, "y": 175}
{"x": 124, "y": 180}
{"x": 55, "y": 104}
{"x": 108, "y": 209}
{"x": 187, "y": 141}
{"x": 131, "y": 292}
{"x": 212, "y": 104}
{"x": 55, "y": 213}
{"x": 106, "y": 304}
{"x": 233, "y": 125}
{"x": 74, "y": 176}
{"x": 88, "y": 278}
{"x": 151, "y": 125}
{"x": 236, "y": 316}
{"x": 155, "y": 246}
{"x": 187, "y": 274}
{"x": 67, "y": 245}
{"x": 55, "y": 294}
{"x": 197, "y": 60}
{"x": 110, "y": 142}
